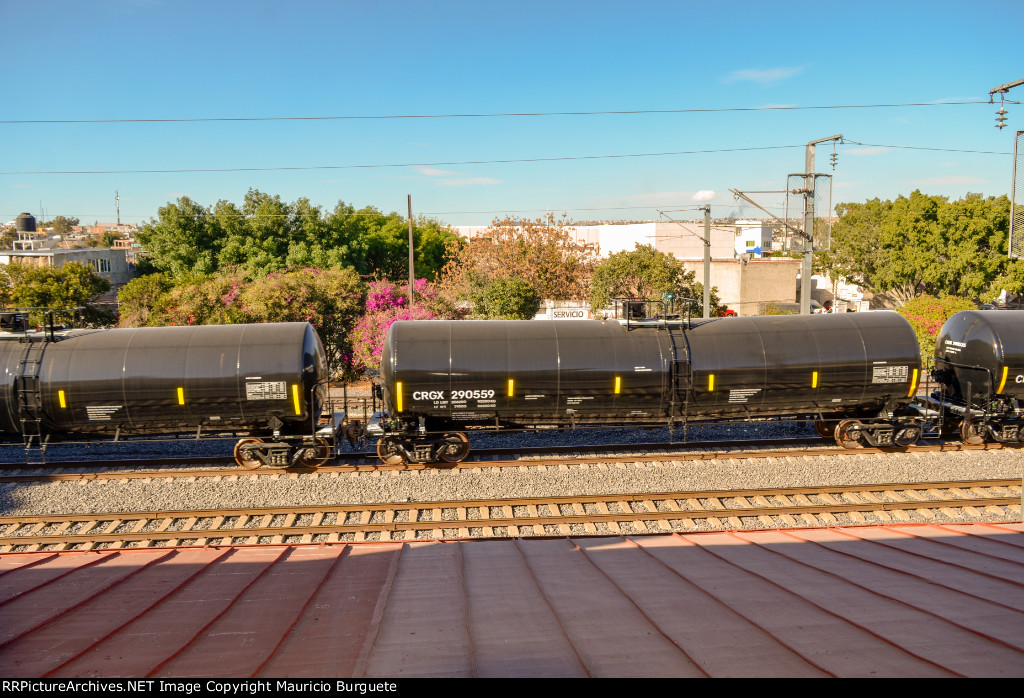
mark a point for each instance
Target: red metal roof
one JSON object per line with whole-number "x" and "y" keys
{"x": 899, "y": 600}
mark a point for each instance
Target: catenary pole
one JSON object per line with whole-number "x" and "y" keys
{"x": 412, "y": 275}
{"x": 707, "y": 261}
{"x": 808, "y": 265}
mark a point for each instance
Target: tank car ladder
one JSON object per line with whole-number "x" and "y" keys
{"x": 26, "y": 384}
{"x": 679, "y": 381}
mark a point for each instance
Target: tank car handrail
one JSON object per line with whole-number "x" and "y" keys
{"x": 659, "y": 320}
{"x": 968, "y": 367}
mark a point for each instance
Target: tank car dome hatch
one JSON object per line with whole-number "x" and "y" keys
{"x": 982, "y": 351}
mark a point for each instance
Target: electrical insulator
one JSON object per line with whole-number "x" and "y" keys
{"x": 834, "y": 158}
{"x": 1001, "y": 119}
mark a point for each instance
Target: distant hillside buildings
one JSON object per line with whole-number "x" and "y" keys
{"x": 40, "y": 248}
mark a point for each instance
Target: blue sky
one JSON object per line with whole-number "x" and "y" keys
{"x": 184, "y": 60}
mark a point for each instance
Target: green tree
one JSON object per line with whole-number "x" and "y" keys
{"x": 5, "y": 285}
{"x": 266, "y": 234}
{"x": 140, "y": 299}
{"x": 61, "y": 225}
{"x": 921, "y": 244}
{"x": 1011, "y": 278}
{"x": 330, "y": 299}
{"x": 66, "y": 287}
{"x": 104, "y": 241}
{"x": 647, "y": 274}
{"x": 507, "y": 299}
{"x": 7, "y": 238}
{"x": 185, "y": 239}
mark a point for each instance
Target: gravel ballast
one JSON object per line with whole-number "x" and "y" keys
{"x": 661, "y": 475}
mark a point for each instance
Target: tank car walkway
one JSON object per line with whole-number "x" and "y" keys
{"x": 900, "y": 600}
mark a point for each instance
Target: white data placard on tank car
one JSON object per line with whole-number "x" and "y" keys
{"x": 266, "y": 390}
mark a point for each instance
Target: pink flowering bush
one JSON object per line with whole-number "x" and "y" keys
{"x": 387, "y": 303}
{"x": 926, "y": 314}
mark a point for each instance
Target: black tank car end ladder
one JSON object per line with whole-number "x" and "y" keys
{"x": 680, "y": 373}
{"x": 29, "y": 397}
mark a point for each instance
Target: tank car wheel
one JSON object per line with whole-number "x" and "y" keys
{"x": 243, "y": 457}
{"x": 907, "y": 436}
{"x": 972, "y": 432}
{"x": 456, "y": 448}
{"x": 387, "y": 451}
{"x": 317, "y": 456}
{"x": 845, "y": 436}
{"x": 826, "y": 430}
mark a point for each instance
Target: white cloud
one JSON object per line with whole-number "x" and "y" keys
{"x": 764, "y": 77}
{"x": 703, "y": 195}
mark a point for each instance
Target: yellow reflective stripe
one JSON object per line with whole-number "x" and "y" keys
{"x": 814, "y": 379}
{"x": 618, "y": 384}
{"x": 181, "y": 396}
{"x": 510, "y": 384}
{"x": 398, "y": 396}
{"x": 295, "y": 398}
{"x": 913, "y": 384}
{"x": 60, "y": 398}
{"x": 1002, "y": 383}
{"x": 711, "y": 382}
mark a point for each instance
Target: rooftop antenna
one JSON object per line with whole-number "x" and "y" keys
{"x": 117, "y": 202}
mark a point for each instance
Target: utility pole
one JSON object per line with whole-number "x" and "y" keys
{"x": 707, "y": 252}
{"x": 707, "y": 261}
{"x": 412, "y": 275}
{"x": 808, "y": 265}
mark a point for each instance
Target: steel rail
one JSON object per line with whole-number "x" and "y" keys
{"x": 640, "y": 510}
{"x": 524, "y": 463}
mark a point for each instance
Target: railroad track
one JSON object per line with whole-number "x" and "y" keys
{"x": 370, "y": 458}
{"x": 513, "y": 518}
{"x": 718, "y": 451}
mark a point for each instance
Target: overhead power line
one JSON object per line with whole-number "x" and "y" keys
{"x": 408, "y": 164}
{"x": 941, "y": 150}
{"x": 481, "y": 116}
{"x": 475, "y": 162}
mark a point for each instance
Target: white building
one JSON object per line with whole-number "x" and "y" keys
{"x": 684, "y": 240}
{"x": 753, "y": 237}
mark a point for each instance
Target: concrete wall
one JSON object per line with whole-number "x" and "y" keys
{"x": 106, "y": 263}
{"x": 745, "y": 286}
